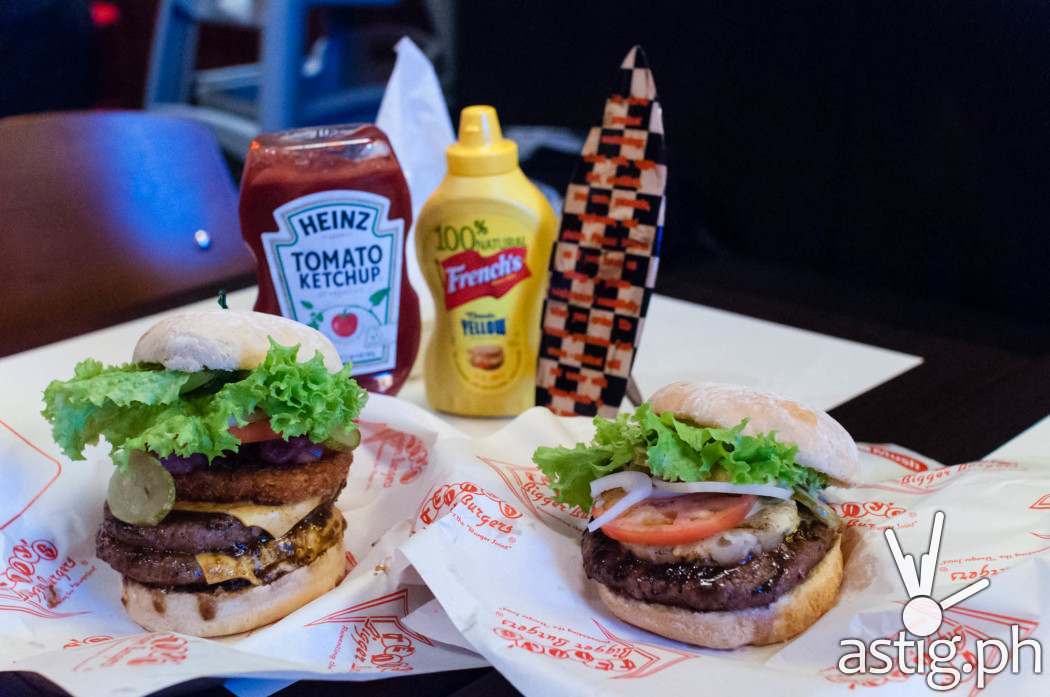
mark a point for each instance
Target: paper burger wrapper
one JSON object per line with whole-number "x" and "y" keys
{"x": 459, "y": 557}
{"x": 60, "y": 609}
{"x": 503, "y": 559}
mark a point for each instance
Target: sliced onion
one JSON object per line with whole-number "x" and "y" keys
{"x": 638, "y": 486}
{"x": 625, "y": 479}
{"x": 663, "y": 489}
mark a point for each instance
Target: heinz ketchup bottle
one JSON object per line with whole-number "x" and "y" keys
{"x": 326, "y": 212}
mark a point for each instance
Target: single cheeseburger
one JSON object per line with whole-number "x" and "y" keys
{"x": 708, "y": 524}
{"x": 232, "y": 434}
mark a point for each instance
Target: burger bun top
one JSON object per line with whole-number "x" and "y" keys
{"x": 228, "y": 340}
{"x": 823, "y": 444}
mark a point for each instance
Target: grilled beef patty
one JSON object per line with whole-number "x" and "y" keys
{"x": 222, "y": 482}
{"x": 184, "y": 531}
{"x": 758, "y": 581}
{"x": 164, "y": 567}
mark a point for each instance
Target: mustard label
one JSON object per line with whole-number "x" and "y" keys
{"x": 483, "y": 263}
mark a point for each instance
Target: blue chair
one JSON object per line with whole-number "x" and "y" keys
{"x": 280, "y": 91}
{"x": 107, "y": 216}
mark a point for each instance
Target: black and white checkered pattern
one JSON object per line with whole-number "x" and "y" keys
{"x": 605, "y": 261}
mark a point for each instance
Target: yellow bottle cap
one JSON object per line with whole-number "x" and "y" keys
{"x": 481, "y": 149}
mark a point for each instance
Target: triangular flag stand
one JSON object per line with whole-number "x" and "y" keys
{"x": 605, "y": 260}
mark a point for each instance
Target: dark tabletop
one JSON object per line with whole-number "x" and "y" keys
{"x": 981, "y": 383}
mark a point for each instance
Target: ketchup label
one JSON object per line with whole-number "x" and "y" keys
{"x": 335, "y": 261}
{"x": 469, "y": 275}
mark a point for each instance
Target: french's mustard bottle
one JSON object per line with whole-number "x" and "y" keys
{"x": 484, "y": 240}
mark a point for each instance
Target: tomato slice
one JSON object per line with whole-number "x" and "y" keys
{"x": 254, "y": 432}
{"x": 677, "y": 520}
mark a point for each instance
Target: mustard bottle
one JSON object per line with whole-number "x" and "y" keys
{"x": 484, "y": 240}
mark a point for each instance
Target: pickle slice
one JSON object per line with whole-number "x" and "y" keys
{"x": 143, "y": 492}
{"x": 343, "y": 440}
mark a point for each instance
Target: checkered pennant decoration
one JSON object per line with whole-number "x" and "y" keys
{"x": 604, "y": 263}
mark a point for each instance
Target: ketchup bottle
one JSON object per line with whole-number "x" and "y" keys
{"x": 326, "y": 212}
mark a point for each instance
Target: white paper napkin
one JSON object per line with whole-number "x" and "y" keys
{"x": 414, "y": 116}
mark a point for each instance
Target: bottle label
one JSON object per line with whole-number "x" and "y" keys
{"x": 469, "y": 275}
{"x": 487, "y": 290}
{"x": 335, "y": 262}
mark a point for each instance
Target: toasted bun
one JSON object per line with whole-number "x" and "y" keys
{"x": 823, "y": 443}
{"x": 228, "y": 340}
{"x": 218, "y": 613}
{"x": 788, "y": 616}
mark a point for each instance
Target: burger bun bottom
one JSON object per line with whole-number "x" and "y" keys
{"x": 220, "y": 612}
{"x": 788, "y": 616}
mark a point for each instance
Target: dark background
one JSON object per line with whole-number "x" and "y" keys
{"x": 888, "y": 156}
{"x": 893, "y": 145}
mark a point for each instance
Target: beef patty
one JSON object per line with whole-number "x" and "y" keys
{"x": 305, "y": 542}
{"x": 185, "y": 531}
{"x": 265, "y": 484}
{"x": 758, "y": 581}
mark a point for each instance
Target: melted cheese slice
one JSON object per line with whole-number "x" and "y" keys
{"x": 219, "y": 567}
{"x": 300, "y": 546}
{"x": 276, "y": 520}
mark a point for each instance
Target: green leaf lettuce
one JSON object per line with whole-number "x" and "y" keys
{"x": 672, "y": 450}
{"x": 142, "y": 407}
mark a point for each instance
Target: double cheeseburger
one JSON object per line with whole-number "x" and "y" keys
{"x": 232, "y": 435}
{"x": 707, "y": 519}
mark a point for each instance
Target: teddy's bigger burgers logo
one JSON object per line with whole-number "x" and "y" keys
{"x": 877, "y": 515}
{"x": 39, "y": 578}
{"x": 531, "y": 488}
{"x": 615, "y": 656}
{"x": 481, "y": 512}
{"x": 371, "y": 636}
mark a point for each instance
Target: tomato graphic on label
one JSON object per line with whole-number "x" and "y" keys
{"x": 356, "y": 331}
{"x": 344, "y": 324}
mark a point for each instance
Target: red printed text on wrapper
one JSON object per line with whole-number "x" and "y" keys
{"x": 531, "y": 488}
{"x": 35, "y": 576}
{"x": 484, "y": 514}
{"x": 139, "y": 650}
{"x": 609, "y": 654}
{"x": 921, "y": 483}
{"x": 87, "y": 641}
{"x": 903, "y": 459}
{"x": 986, "y": 565}
{"x": 371, "y": 637}
{"x": 876, "y": 515}
{"x": 400, "y": 457}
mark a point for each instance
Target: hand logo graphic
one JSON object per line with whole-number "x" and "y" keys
{"x": 922, "y": 614}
